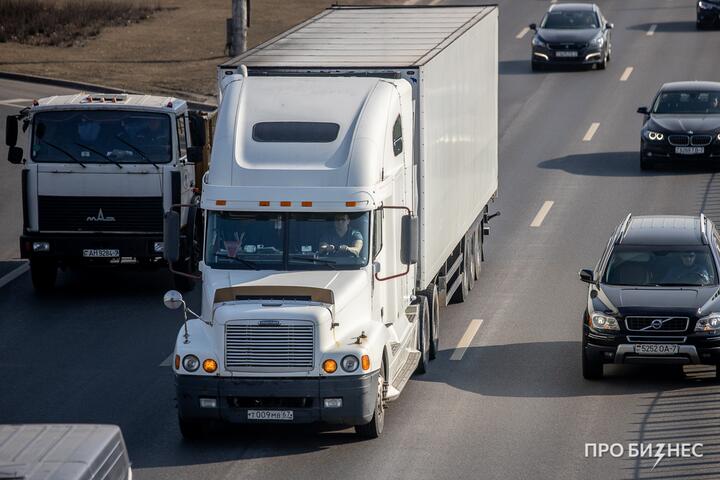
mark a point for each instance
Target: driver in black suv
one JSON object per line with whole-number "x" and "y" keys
{"x": 654, "y": 296}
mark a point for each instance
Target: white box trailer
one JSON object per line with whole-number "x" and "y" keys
{"x": 353, "y": 163}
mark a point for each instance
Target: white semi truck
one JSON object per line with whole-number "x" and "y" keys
{"x": 353, "y": 163}
{"x": 99, "y": 170}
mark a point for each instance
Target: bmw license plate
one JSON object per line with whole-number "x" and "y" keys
{"x": 689, "y": 150}
{"x": 270, "y": 415}
{"x": 568, "y": 53}
{"x": 656, "y": 349}
{"x": 101, "y": 253}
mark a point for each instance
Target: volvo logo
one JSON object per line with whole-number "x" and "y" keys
{"x": 657, "y": 324}
{"x": 100, "y": 218}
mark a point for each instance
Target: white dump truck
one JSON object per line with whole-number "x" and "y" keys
{"x": 353, "y": 163}
{"x": 99, "y": 170}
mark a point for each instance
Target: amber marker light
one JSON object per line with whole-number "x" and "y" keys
{"x": 306, "y": 204}
{"x": 177, "y": 362}
{"x": 209, "y": 365}
{"x": 351, "y": 204}
{"x": 329, "y": 365}
{"x": 285, "y": 204}
{"x": 365, "y": 360}
{"x": 264, "y": 203}
{"x": 220, "y": 203}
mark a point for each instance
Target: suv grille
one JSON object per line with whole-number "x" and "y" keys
{"x": 289, "y": 345}
{"x": 657, "y": 324}
{"x": 100, "y": 214}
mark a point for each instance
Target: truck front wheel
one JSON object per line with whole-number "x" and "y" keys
{"x": 375, "y": 427}
{"x": 191, "y": 429}
{"x": 43, "y": 273}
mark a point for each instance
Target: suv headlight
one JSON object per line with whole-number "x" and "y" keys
{"x": 709, "y": 324}
{"x": 597, "y": 41}
{"x": 655, "y": 136}
{"x": 603, "y": 323}
{"x": 538, "y": 42}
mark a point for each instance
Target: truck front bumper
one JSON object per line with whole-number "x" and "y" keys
{"x": 305, "y": 397}
{"x": 71, "y": 246}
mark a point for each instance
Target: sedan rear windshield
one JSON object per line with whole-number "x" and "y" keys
{"x": 692, "y": 102}
{"x": 568, "y": 19}
{"x": 661, "y": 266}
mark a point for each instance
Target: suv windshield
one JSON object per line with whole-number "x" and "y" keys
{"x": 692, "y": 102}
{"x": 568, "y": 19}
{"x": 287, "y": 241}
{"x": 661, "y": 265}
{"x": 98, "y": 136}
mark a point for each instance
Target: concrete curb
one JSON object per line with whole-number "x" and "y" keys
{"x": 90, "y": 87}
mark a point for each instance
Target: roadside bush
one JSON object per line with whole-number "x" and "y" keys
{"x": 66, "y": 22}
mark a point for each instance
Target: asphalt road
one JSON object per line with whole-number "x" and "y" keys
{"x": 515, "y": 405}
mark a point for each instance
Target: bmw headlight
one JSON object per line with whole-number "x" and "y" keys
{"x": 603, "y": 323}
{"x": 709, "y": 324}
{"x": 597, "y": 41}
{"x": 705, "y": 5}
{"x": 718, "y": 137}
{"x": 538, "y": 42}
{"x": 655, "y": 136}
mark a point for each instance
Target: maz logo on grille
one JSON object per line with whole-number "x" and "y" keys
{"x": 100, "y": 218}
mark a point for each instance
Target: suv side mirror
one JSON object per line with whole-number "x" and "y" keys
{"x": 587, "y": 275}
{"x": 171, "y": 236}
{"x": 195, "y": 154}
{"x": 533, "y": 26}
{"x": 643, "y": 110}
{"x": 609, "y": 26}
{"x": 11, "y": 130}
{"x": 15, "y": 155}
{"x": 409, "y": 245}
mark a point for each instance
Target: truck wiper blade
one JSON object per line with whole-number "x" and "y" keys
{"x": 64, "y": 151}
{"x": 679, "y": 284}
{"x": 144, "y": 157}
{"x": 99, "y": 153}
{"x": 247, "y": 263}
{"x": 303, "y": 258}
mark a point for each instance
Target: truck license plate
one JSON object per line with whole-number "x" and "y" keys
{"x": 270, "y": 415}
{"x": 101, "y": 253}
{"x": 656, "y": 349}
{"x": 689, "y": 150}
{"x": 569, "y": 53}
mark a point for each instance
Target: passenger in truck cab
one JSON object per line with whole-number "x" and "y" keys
{"x": 341, "y": 239}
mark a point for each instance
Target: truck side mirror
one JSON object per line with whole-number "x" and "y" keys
{"x": 171, "y": 236}
{"x": 11, "y": 130}
{"x": 195, "y": 154}
{"x": 587, "y": 275}
{"x": 15, "y": 155}
{"x": 409, "y": 245}
{"x": 197, "y": 129}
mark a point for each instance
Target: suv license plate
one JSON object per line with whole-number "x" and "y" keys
{"x": 689, "y": 150}
{"x": 270, "y": 415}
{"x": 101, "y": 253}
{"x": 656, "y": 349}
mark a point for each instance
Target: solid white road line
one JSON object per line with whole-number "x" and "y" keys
{"x": 591, "y": 131}
{"x": 168, "y": 361}
{"x": 522, "y": 33}
{"x": 651, "y": 30}
{"x": 626, "y": 74}
{"x": 410, "y": 2}
{"x": 435, "y": 2}
{"x": 16, "y": 102}
{"x": 14, "y": 273}
{"x": 542, "y": 213}
{"x": 466, "y": 339}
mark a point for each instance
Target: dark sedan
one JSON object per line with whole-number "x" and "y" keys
{"x": 683, "y": 123}
{"x": 708, "y": 13}
{"x": 571, "y": 34}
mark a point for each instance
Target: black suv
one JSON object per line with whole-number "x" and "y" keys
{"x": 654, "y": 295}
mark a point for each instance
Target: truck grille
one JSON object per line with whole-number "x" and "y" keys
{"x": 100, "y": 214}
{"x": 286, "y": 345}
{"x": 666, "y": 324}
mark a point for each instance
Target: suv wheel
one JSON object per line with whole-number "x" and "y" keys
{"x": 43, "y": 274}
{"x": 592, "y": 369}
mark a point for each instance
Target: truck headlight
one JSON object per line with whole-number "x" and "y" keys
{"x": 709, "y": 324}
{"x": 190, "y": 363}
{"x": 41, "y": 246}
{"x": 603, "y": 322}
{"x": 350, "y": 363}
{"x": 656, "y": 136}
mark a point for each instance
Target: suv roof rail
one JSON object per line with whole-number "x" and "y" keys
{"x": 703, "y": 229}
{"x": 622, "y": 229}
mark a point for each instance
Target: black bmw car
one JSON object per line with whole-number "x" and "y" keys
{"x": 708, "y": 13}
{"x": 571, "y": 34}
{"x": 653, "y": 297}
{"x": 682, "y": 123}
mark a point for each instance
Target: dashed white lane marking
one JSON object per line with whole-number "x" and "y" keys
{"x": 14, "y": 273}
{"x": 626, "y": 74}
{"x": 466, "y": 339}
{"x": 553, "y": 1}
{"x": 16, "y": 102}
{"x": 542, "y": 213}
{"x": 591, "y": 131}
{"x": 435, "y": 2}
{"x": 522, "y": 33}
{"x": 168, "y": 361}
{"x": 410, "y": 2}
{"x": 651, "y": 30}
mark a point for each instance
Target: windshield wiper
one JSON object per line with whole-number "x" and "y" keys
{"x": 303, "y": 258}
{"x": 679, "y": 284}
{"x": 63, "y": 151}
{"x": 144, "y": 157}
{"x": 99, "y": 153}
{"x": 247, "y": 263}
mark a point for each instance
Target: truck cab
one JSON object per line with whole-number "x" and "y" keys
{"x": 98, "y": 172}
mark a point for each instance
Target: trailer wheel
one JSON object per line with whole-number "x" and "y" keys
{"x": 477, "y": 250}
{"x": 470, "y": 255}
{"x": 423, "y": 338}
{"x": 375, "y": 427}
{"x": 43, "y": 273}
{"x": 433, "y": 299}
{"x": 462, "y": 292}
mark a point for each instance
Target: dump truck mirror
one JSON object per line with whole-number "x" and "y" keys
{"x": 409, "y": 240}
{"x": 11, "y": 130}
{"x": 195, "y": 154}
{"x": 171, "y": 236}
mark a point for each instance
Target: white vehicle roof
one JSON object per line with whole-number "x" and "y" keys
{"x": 377, "y": 37}
{"x": 111, "y": 101}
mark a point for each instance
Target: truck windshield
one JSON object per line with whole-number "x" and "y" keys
{"x": 98, "y": 136}
{"x": 287, "y": 241}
